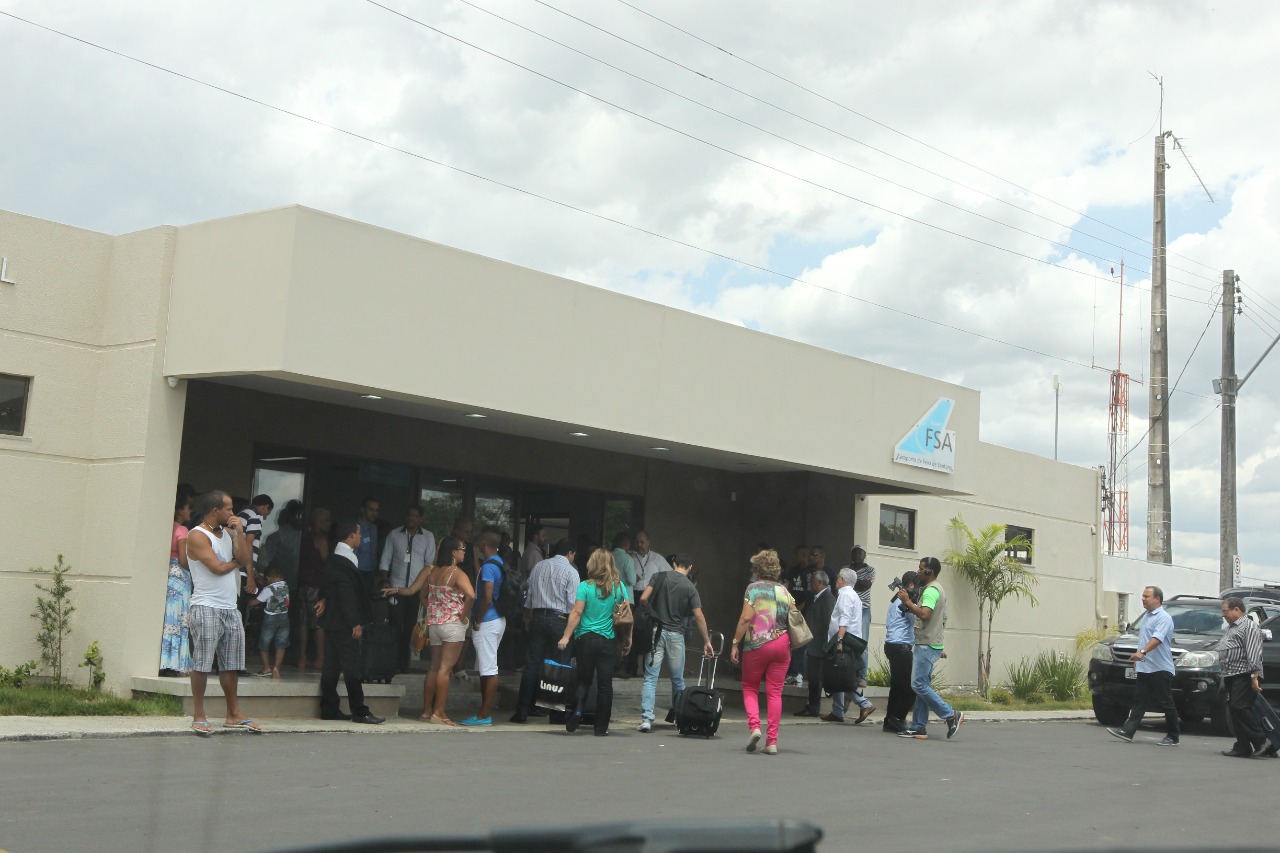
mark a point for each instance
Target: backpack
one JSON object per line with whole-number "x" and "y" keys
{"x": 509, "y": 596}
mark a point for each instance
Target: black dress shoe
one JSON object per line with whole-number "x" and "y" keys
{"x": 336, "y": 715}
{"x": 805, "y": 712}
{"x": 538, "y": 712}
{"x": 1233, "y": 754}
{"x": 517, "y": 717}
{"x": 367, "y": 719}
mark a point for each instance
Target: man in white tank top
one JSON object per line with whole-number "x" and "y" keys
{"x": 216, "y": 549}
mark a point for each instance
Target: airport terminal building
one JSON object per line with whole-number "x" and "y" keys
{"x": 309, "y": 356}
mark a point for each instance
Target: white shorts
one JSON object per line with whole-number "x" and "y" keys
{"x": 486, "y": 639}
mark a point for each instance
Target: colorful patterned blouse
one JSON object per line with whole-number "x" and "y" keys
{"x": 771, "y": 603}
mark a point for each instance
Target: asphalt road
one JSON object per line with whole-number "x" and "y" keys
{"x": 995, "y": 787}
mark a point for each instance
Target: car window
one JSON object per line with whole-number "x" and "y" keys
{"x": 1191, "y": 618}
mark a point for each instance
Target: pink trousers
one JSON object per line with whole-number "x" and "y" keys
{"x": 769, "y": 662}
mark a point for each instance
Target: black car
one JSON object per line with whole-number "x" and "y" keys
{"x": 1197, "y": 682}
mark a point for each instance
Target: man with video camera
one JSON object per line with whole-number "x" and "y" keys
{"x": 899, "y": 637}
{"x": 931, "y": 616}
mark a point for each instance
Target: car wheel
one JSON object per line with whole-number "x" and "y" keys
{"x": 1220, "y": 719}
{"x": 1109, "y": 713}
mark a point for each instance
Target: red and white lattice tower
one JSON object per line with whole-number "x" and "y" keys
{"x": 1116, "y": 507}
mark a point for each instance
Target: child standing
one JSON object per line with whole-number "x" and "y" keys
{"x": 274, "y": 599}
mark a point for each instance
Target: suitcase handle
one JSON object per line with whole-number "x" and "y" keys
{"x": 715, "y": 660}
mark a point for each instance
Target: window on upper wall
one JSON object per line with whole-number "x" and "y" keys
{"x": 1022, "y": 555}
{"x": 897, "y": 527}
{"x": 14, "y": 391}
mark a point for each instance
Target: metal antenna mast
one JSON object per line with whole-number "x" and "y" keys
{"x": 1116, "y": 506}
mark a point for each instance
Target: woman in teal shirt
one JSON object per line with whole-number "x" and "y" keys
{"x": 591, "y": 626}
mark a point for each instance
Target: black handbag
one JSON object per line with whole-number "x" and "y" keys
{"x": 840, "y": 664}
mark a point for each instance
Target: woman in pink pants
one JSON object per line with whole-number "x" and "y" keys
{"x": 766, "y": 647}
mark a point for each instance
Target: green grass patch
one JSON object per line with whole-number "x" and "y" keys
{"x": 1036, "y": 703}
{"x": 45, "y": 700}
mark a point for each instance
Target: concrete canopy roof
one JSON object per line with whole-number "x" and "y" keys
{"x": 305, "y": 304}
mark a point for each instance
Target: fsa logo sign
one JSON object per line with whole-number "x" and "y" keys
{"x": 930, "y": 444}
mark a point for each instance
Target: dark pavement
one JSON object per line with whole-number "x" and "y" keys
{"x": 996, "y": 787}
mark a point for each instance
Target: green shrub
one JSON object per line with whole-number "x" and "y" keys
{"x": 93, "y": 660}
{"x": 878, "y": 675}
{"x": 1061, "y": 675}
{"x": 18, "y": 676}
{"x": 1024, "y": 679}
{"x": 1000, "y": 696}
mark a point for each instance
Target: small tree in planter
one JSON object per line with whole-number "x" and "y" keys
{"x": 994, "y": 574}
{"x": 54, "y": 616}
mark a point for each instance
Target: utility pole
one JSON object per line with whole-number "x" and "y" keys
{"x": 1229, "y": 388}
{"x": 1226, "y": 386}
{"x": 1159, "y": 505}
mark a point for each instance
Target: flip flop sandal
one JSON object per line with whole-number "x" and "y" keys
{"x": 245, "y": 725}
{"x": 202, "y": 728}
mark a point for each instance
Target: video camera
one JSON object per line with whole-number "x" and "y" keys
{"x": 913, "y": 593}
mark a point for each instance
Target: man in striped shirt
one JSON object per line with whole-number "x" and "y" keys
{"x": 1240, "y": 656}
{"x": 553, "y": 585}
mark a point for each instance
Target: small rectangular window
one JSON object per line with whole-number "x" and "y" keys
{"x": 1022, "y": 555}
{"x": 897, "y": 527}
{"x": 14, "y": 391}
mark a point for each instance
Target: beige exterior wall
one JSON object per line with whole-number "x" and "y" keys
{"x": 321, "y": 305}
{"x": 1058, "y": 502}
{"x": 93, "y": 477}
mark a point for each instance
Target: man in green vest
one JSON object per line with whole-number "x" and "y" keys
{"x": 931, "y": 618}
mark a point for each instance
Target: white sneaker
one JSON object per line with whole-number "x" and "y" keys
{"x": 799, "y": 681}
{"x": 645, "y": 727}
{"x": 753, "y": 740}
{"x": 771, "y": 749}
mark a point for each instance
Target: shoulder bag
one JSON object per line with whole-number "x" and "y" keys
{"x": 623, "y": 620}
{"x": 797, "y": 628}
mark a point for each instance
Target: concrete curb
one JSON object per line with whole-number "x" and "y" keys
{"x": 37, "y": 729}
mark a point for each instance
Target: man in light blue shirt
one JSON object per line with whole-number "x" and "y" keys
{"x": 899, "y": 638}
{"x": 1154, "y": 664}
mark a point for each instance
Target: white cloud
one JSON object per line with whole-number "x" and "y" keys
{"x": 1057, "y": 100}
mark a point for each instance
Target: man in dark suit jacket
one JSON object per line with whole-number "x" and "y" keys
{"x": 817, "y": 616}
{"x": 347, "y": 609}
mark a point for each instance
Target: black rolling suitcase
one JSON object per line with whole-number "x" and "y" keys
{"x": 698, "y": 708}
{"x": 378, "y": 645}
{"x": 1268, "y": 719}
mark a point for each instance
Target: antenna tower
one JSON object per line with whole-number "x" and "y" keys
{"x": 1116, "y": 486}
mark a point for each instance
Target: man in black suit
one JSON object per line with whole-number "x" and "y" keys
{"x": 347, "y": 609}
{"x": 817, "y": 616}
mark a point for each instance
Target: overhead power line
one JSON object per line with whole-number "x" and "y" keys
{"x": 1145, "y": 241}
{"x": 1204, "y": 418}
{"x": 802, "y": 146}
{"x": 716, "y": 146}
{"x": 532, "y": 194}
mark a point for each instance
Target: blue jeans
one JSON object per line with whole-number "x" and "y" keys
{"x": 865, "y": 657}
{"x": 927, "y": 699}
{"x": 840, "y": 701}
{"x": 669, "y": 646}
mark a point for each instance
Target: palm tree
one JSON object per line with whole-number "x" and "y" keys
{"x": 995, "y": 575}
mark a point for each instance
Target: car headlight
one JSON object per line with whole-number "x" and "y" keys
{"x": 1199, "y": 660}
{"x": 1101, "y": 652}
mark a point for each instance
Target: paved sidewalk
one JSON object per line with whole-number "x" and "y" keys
{"x": 74, "y": 728}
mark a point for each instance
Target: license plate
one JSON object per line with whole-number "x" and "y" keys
{"x": 1130, "y": 673}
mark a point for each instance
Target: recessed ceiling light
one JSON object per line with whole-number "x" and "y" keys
{"x": 579, "y": 434}
{"x": 477, "y": 415}
{"x": 658, "y": 448}
{"x": 370, "y": 397}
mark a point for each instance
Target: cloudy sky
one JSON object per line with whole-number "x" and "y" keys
{"x": 944, "y": 188}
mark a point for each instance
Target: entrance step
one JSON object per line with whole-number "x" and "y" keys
{"x": 296, "y": 695}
